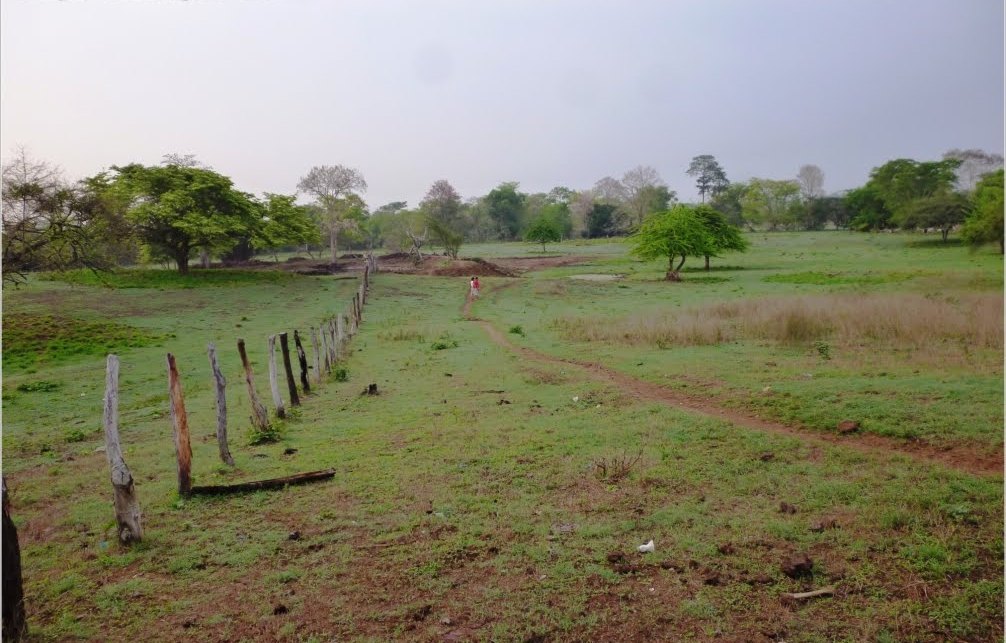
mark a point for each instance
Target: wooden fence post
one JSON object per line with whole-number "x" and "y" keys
{"x": 328, "y": 351}
{"x": 340, "y": 330}
{"x": 291, "y": 382}
{"x": 336, "y": 349}
{"x": 15, "y": 627}
{"x": 277, "y": 399}
{"x": 127, "y": 505}
{"x": 220, "y": 385}
{"x": 260, "y": 417}
{"x": 302, "y": 357}
{"x": 180, "y": 421}
{"x": 315, "y": 354}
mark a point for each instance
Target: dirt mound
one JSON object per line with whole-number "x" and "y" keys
{"x": 472, "y": 267}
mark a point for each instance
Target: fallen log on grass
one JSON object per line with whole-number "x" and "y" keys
{"x": 824, "y": 591}
{"x": 256, "y": 485}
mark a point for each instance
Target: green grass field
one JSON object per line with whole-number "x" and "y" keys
{"x": 499, "y": 484}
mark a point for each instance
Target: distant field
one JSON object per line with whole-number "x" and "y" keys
{"x": 523, "y": 446}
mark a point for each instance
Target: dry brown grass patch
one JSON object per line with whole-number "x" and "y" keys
{"x": 905, "y": 321}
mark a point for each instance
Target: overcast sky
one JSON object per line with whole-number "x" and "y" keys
{"x": 543, "y": 92}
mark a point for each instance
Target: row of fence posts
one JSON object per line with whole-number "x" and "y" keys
{"x": 334, "y": 333}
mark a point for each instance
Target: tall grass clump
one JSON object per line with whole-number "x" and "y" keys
{"x": 906, "y": 321}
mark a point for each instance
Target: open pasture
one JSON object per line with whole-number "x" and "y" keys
{"x": 523, "y": 445}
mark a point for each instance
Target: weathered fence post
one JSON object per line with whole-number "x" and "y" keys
{"x": 277, "y": 399}
{"x": 340, "y": 331}
{"x": 180, "y": 421}
{"x": 336, "y": 352}
{"x": 127, "y": 505}
{"x": 302, "y": 358}
{"x": 260, "y": 417}
{"x": 328, "y": 350}
{"x": 220, "y": 385}
{"x": 15, "y": 627}
{"x": 316, "y": 349}
{"x": 291, "y": 382}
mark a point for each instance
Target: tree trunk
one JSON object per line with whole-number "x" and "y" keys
{"x": 15, "y": 627}
{"x": 277, "y": 399}
{"x": 291, "y": 382}
{"x": 946, "y": 233}
{"x": 180, "y": 421}
{"x": 204, "y": 258}
{"x": 316, "y": 354}
{"x": 182, "y": 259}
{"x": 221, "y": 384}
{"x": 127, "y": 505}
{"x": 333, "y": 241}
{"x": 707, "y": 263}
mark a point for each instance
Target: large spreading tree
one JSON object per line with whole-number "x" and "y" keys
{"x": 177, "y": 210}
{"x": 676, "y": 234}
{"x": 709, "y": 175}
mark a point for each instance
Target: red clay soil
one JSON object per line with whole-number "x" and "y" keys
{"x": 960, "y": 457}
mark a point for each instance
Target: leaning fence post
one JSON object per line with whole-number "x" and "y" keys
{"x": 315, "y": 357}
{"x": 180, "y": 421}
{"x": 291, "y": 383}
{"x": 303, "y": 359}
{"x": 340, "y": 331}
{"x": 277, "y": 399}
{"x": 127, "y": 505}
{"x": 260, "y": 417}
{"x": 221, "y": 384}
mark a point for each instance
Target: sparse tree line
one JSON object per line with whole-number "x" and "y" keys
{"x": 182, "y": 210}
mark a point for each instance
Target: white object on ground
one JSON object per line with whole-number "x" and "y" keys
{"x": 646, "y": 548}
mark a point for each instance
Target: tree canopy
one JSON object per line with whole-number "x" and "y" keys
{"x": 709, "y": 176}
{"x": 176, "y": 209}
{"x": 677, "y": 233}
{"x": 543, "y": 230}
{"x": 985, "y": 222}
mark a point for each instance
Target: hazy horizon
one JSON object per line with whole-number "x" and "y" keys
{"x": 545, "y": 94}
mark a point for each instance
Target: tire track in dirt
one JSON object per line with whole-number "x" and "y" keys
{"x": 961, "y": 458}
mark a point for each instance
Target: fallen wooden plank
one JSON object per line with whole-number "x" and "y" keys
{"x": 256, "y": 485}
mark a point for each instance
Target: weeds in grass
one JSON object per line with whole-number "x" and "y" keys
{"x": 271, "y": 433}
{"x": 403, "y": 335}
{"x": 340, "y": 374}
{"x": 517, "y": 330}
{"x": 42, "y": 386}
{"x": 616, "y": 468}
{"x": 169, "y": 278}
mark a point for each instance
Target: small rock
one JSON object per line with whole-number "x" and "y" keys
{"x": 786, "y": 508}
{"x": 616, "y": 557}
{"x": 797, "y": 565}
{"x": 294, "y": 535}
{"x": 848, "y": 426}
{"x": 446, "y": 621}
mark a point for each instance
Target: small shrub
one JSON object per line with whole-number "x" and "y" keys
{"x": 823, "y": 349}
{"x": 341, "y": 374}
{"x": 517, "y": 330}
{"x": 615, "y": 469}
{"x": 76, "y": 435}
{"x": 41, "y": 386}
{"x": 268, "y": 435}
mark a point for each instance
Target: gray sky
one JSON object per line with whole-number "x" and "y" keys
{"x": 544, "y": 92}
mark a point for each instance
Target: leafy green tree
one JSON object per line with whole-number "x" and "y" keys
{"x": 177, "y": 209}
{"x": 506, "y": 206}
{"x": 985, "y": 222}
{"x": 602, "y": 220}
{"x": 284, "y": 223}
{"x": 866, "y": 209}
{"x": 941, "y": 211}
{"x": 725, "y": 237}
{"x": 709, "y": 176}
{"x": 677, "y": 233}
{"x": 819, "y": 211}
{"x": 729, "y": 201}
{"x": 771, "y": 203}
{"x": 442, "y": 207}
{"x": 899, "y": 182}
{"x": 543, "y": 230}
{"x": 336, "y": 191}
